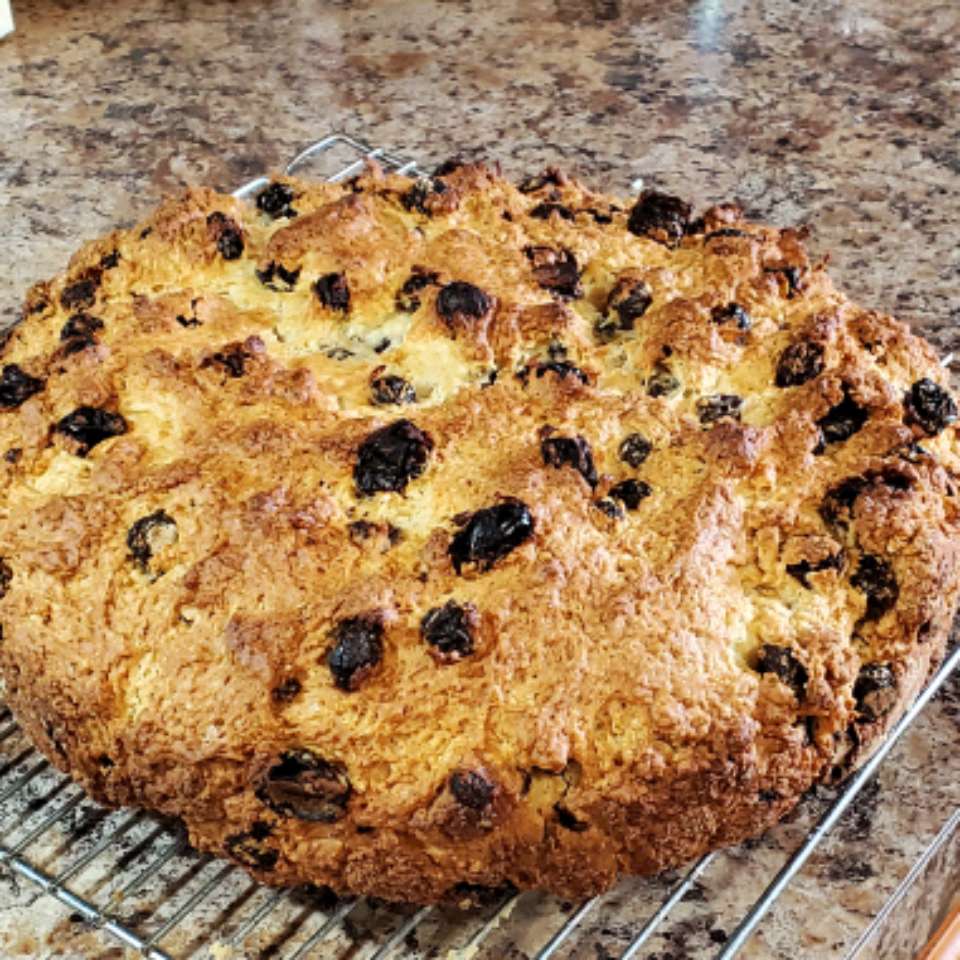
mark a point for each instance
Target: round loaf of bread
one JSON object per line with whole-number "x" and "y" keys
{"x": 414, "y": 537}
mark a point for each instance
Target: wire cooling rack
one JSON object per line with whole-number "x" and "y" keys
{"x": 134, "y": 876}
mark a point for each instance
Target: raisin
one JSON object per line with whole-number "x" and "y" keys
{"x": 875, "y": 578}
{"x": 275, "y": 276}
{"x": 782, "y": 662}
{"x": 416, "y": 197}
{"x": 569, "y": 452}
{"x": 356, "y": 650}
{"x": 630, "y": 492}
{"x": 472, "y": 789}
{"x": 449, "y": 166}
{"x": 929, "y": 406}
{"x": 109, "y": 260}
{"x": 555, "y": 270}
{"x": 462, "y": 301}
{"x": 286, "y": 690}
{"x": 875, "y": 691}
{"x": 491, "y": 534}
{"x": 17, "y": 386}
{"x": 304, "y": 785}
{"x": 228, "y": 235}
{"x": 841, "y": 421}
{"x": 802, "y": 568}
{"x": 275, "y": 199}
{"x": 634, "y": 449}
{"x": 598, "y": 215}
{"x": 660, "y": 216}
{"x": 791, "y": 275}
{"x": 81, "y": 293}
{"x": 720, "y": 405}
{"x": 799, "y": 363}
{"x": 661, "y": 382}
{"x": 391, "y": 389}
{"x": 250, "y": 850}
{"x": 568, "y": 821}
{"x": 339, "y": 353}
{"x": 389, "y": 458}
{"x": 6, "y": 575}
{"x": 563, "y": 369}
{"x": 232, "y": 360}
{"x": 88, "y": 426}
{"x": 450, "y": 630}
{"x": 382, "y": 345}
{"x": 610, "y": 507}
{"x": 837, "y": 506}
{"x": 407, "y": 300}
{"x": 542, "y": 211}
{"x": 187, "y": 321}
{"x": 725, "y": 232}
{"x": 332, "y": 291}
{"x": 149, "y": 534}
{"x": 13, "y": 455}
{"x": 630, "y": 300}
{"x": 79, "y": 332}
{"x": 731, "y": 313}
{"x": 550, "y": 177}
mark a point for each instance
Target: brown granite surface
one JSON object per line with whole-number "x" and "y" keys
{"x": 842, "y": 115}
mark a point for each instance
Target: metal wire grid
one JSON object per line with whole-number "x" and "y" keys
{"x": 142, "y": 884}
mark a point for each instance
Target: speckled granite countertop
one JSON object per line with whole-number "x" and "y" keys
{"x": 842, "y": 115}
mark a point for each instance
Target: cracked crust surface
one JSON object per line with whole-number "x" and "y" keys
{"x": 416, "y": 537}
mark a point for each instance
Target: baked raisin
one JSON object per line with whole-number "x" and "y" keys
{"x": 802, "y": 568}
{"x": 661, "y": 382}
{"x": 568, "y": 821}
{"x": 929, "y": 406}
{"x": 79, "y": 332}
{"x": 286, "y": 690}
{"x": 841, "y": 421}
{"x": 150, "y": 534}
{"x": 555, "y": 270}
{"x": 13, "y": 455}
{"x": 490, "y": 534}
{"x": 81, "y": 293}
{"x": 332, "y": 291}
{"x": 634, "y": 449}
{"x": 88, "y": 426}
{"x": 875, "y": 578}
{"x": 389, "y": 458}
{"x": 569, "y": 452}
{"x": 792, "y": 277}
{"x": 462, "y": 301}
{"x": 391, "y": 389}
{"x": 407, "y": 300}
{"x": 800, "y": 362}
{"x": 731, "y": 313}
{"x": 304, "y": 785}
{"x": 355, "y": 651}
{"x": 450, "y": 630}
{"x": 562, "y": 369}
{"x": 630, "y": 492}
{"x": 449, "y": 166}
{"x": 275, "y": 276}
{"x": 275, "y": 199}
{"x": 109, "y": 260}
{"x": 250, "y": 848}
{"x": 550, "y": 177}
{"x": 6, "y": 575}
{"x": 17, "y": 386}
{"x": 543, "y": 211}
{"x": 416, "y": 197}
{"x": 232, "y": 359}
{"x": 188, "y": 321}
{"x": 720, "y": 405}
{"x": 837, "y": 506}
{"x": 875, "y": 691}
{"x": 610, "y": 507}
{"x": 660, "y": 216}
{"x": 472, "y": 789}
{"x": 599, "y": 216}
{"x": 228, "y": 235}
{"x": 629, "y": 300}
{"x": 782, "y": 662}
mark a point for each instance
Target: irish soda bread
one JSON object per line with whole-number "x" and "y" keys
{"x": 421, "y": 537}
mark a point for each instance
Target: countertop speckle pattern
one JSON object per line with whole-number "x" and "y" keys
{"x": 840, "y": 115}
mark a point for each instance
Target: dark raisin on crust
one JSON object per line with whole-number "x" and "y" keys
{"x": 250, "y": 849}
{"x": 560, "y": 368}
{"x": 449, "y": 166}
{"x": 662, "y": 382}
{"x": 803, "y": 568}
{"x": 630, "y": 492}
{"x": 407, "y": 300}
{"x": 792, "y": 277}
{"x": 472, "y": 789}
{"x": 569, "y": 452}
{"x": 782, "y": 662}
{"x": 875, "y": 578}
{"x": 543, "y": 211}
{"x": 837, "y": 506}
{"x": 88, "y": 426}
{"x": 149, "y": 534}
{"x": 841, "y": 421}
{"x": 929, "y": 406}
{"x": 6, "y": 575}
{"x": 875, "y": 691}
{"x": 630, "y": 300}
{"x": 17, "y": 386}
{"x": 109, "y": 260}
{"x": 274, "y": 200}
{"x": 634, "y": 449}
{"x": 568, "y": 821}
{"x": 599, "y": 216}
{"x": 13, "y": 455}
{"x": 389, "y": 458}
{"x": 188, "y": 321}
{"x": 275, "y": 276}
{"x": 232, "y": 360}
{"x": 610, "y": 507}
{"x": 390, "y": 389}
{"x": 659, "y": 216}
{"x": 462, "y": 301}
{"x": 550, "y": 177}
{"x": 79, "y": 331}
{"x": 724, "y": 232}
{"x": 81, "y": 293}
{"x": 333, "y": 292}
{"x": 228, "y": 235}
{"x": 490, "y": 534}
{"x": 720, "y": 405}
{"x": 416, "y": 197}
{"x": 305, "y": 786}
{"x": 450, "y": 630}
{"x": 286, "y": 690}
{"x": 355, "y": 651}
{"x": 555, "y": 270}
{"x": 800, "y": 362}
{"x": 731, "y": 313}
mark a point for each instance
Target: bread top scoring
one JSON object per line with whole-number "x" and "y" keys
{"x": 414, "y": 492}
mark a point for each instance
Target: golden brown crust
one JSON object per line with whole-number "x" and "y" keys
{"x": 249, "y": 579}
